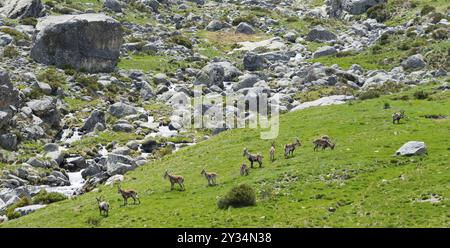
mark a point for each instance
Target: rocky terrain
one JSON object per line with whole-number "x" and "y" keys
{"x": 86, "y": 86}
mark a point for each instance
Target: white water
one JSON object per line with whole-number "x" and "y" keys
{"x": 76, "y": 182}
{"x": 68, "y": 137}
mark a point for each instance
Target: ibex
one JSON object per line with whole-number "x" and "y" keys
{"x": 323, "y": 142}
{"x": 210, "y": 176}
{"x": 174, "y": 179}
{"x": 253, "y": 158}
{"x": 129, "y": 193}
{"x": 397, "y": 116}
{"x": 103, "y": 206}
{"x": 244, "y": 170}
{"x": 290, "y": 148}
{"x": 272, "y": 152}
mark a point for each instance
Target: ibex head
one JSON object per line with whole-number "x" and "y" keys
{"x": 203, "y": 171}
{"x": 297, "y": 141}
{"x": 245, "y": 152}
{"x": 166, "y": 174}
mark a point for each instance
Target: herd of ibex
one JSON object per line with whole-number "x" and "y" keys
{"x": 323, "y": 142}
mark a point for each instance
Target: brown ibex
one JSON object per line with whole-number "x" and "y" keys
{"x": 272, "y": 152}
{"x": 128, "y": 193}
{"x": 103, "y": 206}
{"x": 174, "y": 179}
{"x": 397, "y": 116}
{"x": 253, "y": 158}
{"x": 210, "y": 176}
{"x": 244, "y": 170}
{"x": 323, "y": 142}
{"x": 290, "y": 148}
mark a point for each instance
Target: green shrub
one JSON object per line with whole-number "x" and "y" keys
{"x": 421, "y": 95}
{"x": 239, "y": 196}
{"x": 369, "y": 94}
{"x": 10, "y": 52}
{"x": 89, "y": 82}
{"x": 29, "y": 21}
{"x": 43, "y": 197}
{"x": 437, "y": 17}
{"x": 386, "y": 105}
{"x": 52, "y": 77}
{"x": 250, "y": 19}
{"x": 427, "y": 9}
{"x": 14, "y": 33}
{"x": 24, "y": 201}
{"x": 379, "y": 12}
{"x": 182, "y": 41}
{"x": 441, "y": 34}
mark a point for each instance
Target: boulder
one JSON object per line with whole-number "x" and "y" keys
{"x": 92, "y": 170}
{"x": 19, "y": 9}
{"x": 121, "y": 109}
{"x": 254, "y": 62}
{"x": 320, "y": 34}
{"x": 28, "y": 209}
{"x": 9, "y": 99}
{"x": 119, "y": 164}
{"x": 149, "y": 145}
{"x": 123, "y": 127}
{"x": 337, "y": 8}
{"x": 45, "y": 108}
{"x": 324, "y": 101}
{"x": 414, "y": 62}
{"x": 215, "y": 25}
{"x": 412, "y": 148}
{"x": 9, "y": 141}
{"x": 76, "y": 163}
{"x": 89, "y": 41}
{"x": 114, "y": 179}
{"x": 245, "y": 28}
{"x": 113, "y": 5}
{"x": 97, "y": 116}
{"x": 211, "y": 74}
{"x": 325, "y": 51}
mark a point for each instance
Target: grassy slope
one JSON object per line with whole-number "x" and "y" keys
{"x": 302, "y": 192}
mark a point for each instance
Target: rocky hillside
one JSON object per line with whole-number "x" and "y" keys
{"x": 87, "y": 87}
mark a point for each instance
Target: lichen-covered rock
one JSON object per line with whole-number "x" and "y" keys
{"x": 89, "y": 41}
{"x": 19, "y": 9}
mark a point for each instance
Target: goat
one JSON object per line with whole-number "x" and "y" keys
{"x": 174, "y": 179}
{"x": 290, "y": 148}
{"x": 397, "y": 116}
{"x": 244, "y": 170}
{"x": 253, "y": 158}
{"x": 272, "y": 152}
{"x": 210, "y": 176}
{"x": 128, "y": 194}
{"x": 324, "y": 143}
{"x": 103, "y": 206}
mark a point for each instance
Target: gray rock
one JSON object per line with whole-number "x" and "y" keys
{"x": 35, "y": 162}
{"x": 329, "y": 100}
{"x": 19, "y": 9}
{"x": 120, "y": 168}
{"x": 414, "y": 62}
{"x": 88, "y": 41}
{"x": 121, "y": 109}
{"x": 325, "y": 51}
{"x": 211, "y": 74}
{"x": 149, "y": 145}
{"x": 45, "y": 108}
{"x": 123, "y": 127}
{"x": 97, "y": 116}
{"x": 246, "y": 81}
{"x": 245, "y": 28}
{"x": 28, "y": 209}
{"x": 412, "y": 148}
{"x": 114, "y": 179}
{"x": 320, "y": 34}
{"x": 113, "y": 5}
{"x": 8, "y": 141}
{"x": 254, "y": 62}
{"x": 76, "y": 163}
{"x": 9, "y": 97}
{"x": 337, "y": 8}
{"x": 215, "y": 25}
{"x": 92, "y": 170}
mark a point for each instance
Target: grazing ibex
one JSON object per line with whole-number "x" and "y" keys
{"x": 272, "y": 152}
{"x": 397, "y": 116}
{"x": 323, "y": 142}
{"x": 244, "y": 170}
{"x": 210, "y": 176}
{"x": 253, "y": 158}
{"x": 290, "y": 148}
{"x": 129, "y": 193}
{"x": 174, "y": 179}
{"x": 103, "y": 206}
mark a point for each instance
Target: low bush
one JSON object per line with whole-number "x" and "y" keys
{"x": 239, "y": 196}
{"x": 182, "y": 41}
{"x": 43, "y": 197}
{"x": 379, "y": 12}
